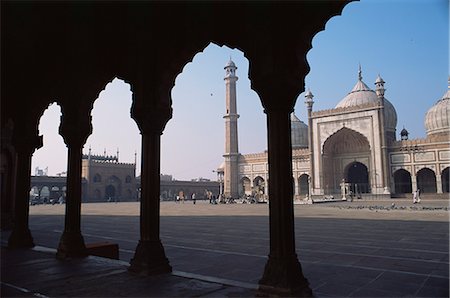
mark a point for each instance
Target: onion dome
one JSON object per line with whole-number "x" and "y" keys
{"x": 361, "y": 94}
{"x": 299, "y": 133}
{"x": 436, "y": 119}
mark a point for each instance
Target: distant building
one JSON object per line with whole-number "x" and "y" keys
{"x": 104, "y": 178}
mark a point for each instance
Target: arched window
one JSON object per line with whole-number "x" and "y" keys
{"x": 128, "y": 179}
{"x": 97, "y": 178}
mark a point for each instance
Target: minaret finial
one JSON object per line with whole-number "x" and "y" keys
{"x": 117, "y": 154}
{"x": 135, "y": 157}
{"x": 360, "y": 73}
{"x": 104, "y": 152}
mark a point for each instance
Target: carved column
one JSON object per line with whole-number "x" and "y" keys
{"x": 75, "y": 128}
{"x": 24, "y": 146}
{"x": 282, "y": 273}
{"x": 413, "y": 181}
{"x": 149, "y": 257}
{"x": 438, "y": 183}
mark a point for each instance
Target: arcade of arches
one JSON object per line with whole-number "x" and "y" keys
{"x": 73, "y": 49}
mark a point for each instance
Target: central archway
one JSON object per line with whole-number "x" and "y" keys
{"x": 110, "y": 191}
{"x": 357, "y": 175}
{"x": 344, "y": 146}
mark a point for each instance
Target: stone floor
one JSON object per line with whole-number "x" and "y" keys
{"x": 348, "y": 249}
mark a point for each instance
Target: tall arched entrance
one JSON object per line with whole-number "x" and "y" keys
{"x": 357, "y": 175}
{"x": 110, "y": 191}
{"x": 445, "y": 180}
{"x": 402, "y": 181}
{"x": 246, "y": 186}
{"x": 303, "y": 187}
{"x": 113, "y": 189}
{"x": 426, "y": 181}
{"x": 341, "y": 148}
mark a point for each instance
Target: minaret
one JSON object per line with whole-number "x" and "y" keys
{"x": 380, "y": 90}
{"x": 231, "y": 179}
{"x": 309, "y": 105}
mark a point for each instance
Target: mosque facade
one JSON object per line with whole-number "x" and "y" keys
{"x": 353, "y": 149}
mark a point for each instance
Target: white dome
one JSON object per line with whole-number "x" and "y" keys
{"x": 361, "y": 94}
{"x": 436, "y": 120}
{"x": 299, "y": 133}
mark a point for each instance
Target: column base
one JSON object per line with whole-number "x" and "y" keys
{"x": 20, "y": 238}
{"x": 71, "y": 245}
{"x": 150, "y": 259}
{"x": 284, "y": 277}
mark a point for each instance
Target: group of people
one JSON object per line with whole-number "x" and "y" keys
{"x": 181, "y": 197}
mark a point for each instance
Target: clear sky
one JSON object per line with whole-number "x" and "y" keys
{"x": 405, "y": 41}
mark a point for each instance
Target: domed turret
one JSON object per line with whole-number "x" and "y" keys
{"x": 404, "y": 134}
{"x": 361, "y": 94}
{"x": 299, "y": 133}
{"x": 437, "y": 118}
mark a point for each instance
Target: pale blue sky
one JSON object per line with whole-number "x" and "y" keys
{"x": 405, "y": 41}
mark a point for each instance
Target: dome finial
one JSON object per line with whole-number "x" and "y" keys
{"x": 360, "y": 73}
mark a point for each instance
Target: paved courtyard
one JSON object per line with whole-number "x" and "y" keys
{"x": 347, "y": 249}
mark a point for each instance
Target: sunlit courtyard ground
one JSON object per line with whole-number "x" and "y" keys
{"x": 360, "y": 248}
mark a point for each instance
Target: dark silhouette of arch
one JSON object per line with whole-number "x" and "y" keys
{"x": 303, "y": 185}
{"x": 97, "y": 178}
{"x": 426, "y": 180}
{"x": 402, "y": 181}
{"x": 357, "y": 175}
{"x": 110, "y": 191}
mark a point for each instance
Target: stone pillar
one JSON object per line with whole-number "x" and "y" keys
{"x": 296, "y": 186}
{"x": 283, "y": 273}
{"x": 75, "y": 128}
{"x": 24, "y": 145}
{"x": 413, "y": 181}
{"x": 438, "y": 183}
{"x": 149, "y": 257}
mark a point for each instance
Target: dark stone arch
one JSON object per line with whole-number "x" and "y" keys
{"x": 426, "y": 180}
{"x": 303, "y": 185}
{"x": 357, "y": 175}
{"x": 402, "y": 181}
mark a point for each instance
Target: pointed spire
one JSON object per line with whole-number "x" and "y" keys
{"x": 135, "y": 157}
{"x": 104, "y": 152}
{"x": 117, "y": 154}
{"x": 360, "y": 73}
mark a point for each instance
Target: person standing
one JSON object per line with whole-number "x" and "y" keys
{"x": 193, "y": 198}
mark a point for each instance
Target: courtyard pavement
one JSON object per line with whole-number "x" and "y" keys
{"x": 347, "y": 249}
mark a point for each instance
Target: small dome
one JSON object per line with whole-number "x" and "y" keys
{"x": 299, "y": 133}
{"x": 230, "y": 63}
{"x": 379, "y": 80}
{"x": 361, "y": 94}
{"x": 437, "y": 117}
{"x": 404, "y": 132}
